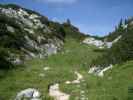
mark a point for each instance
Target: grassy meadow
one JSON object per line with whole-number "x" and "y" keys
{"x": 75, "y": 56}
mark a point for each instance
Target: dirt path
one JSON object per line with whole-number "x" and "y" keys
{"x": 77, "y": 81}
{"x": 55, "y": 92}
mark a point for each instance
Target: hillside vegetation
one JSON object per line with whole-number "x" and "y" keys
{"x": 74, "y": 57}
{"x": 38, "y": 53}
{"x": 26, "y": 34}
{"x": 121, "y": 51}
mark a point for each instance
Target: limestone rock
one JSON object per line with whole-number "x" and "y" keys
{"x": 30, "y": 93}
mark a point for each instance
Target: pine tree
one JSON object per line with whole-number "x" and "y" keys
{"x": 68, "y": 22}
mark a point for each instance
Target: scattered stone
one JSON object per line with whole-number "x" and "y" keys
{"x": 68, "y": 82}
{"x": 100, "y": 44}
{"x": 93, "y": 41}
{"x": 101, "y": 73}
{"x": 57, "y": 94}
{"x": 77, "y": 81}
{"x": 41, "y": 74}
{"x": 46, "y": 68}
{"x": 94, "y": 69}
{"x": 109, "y": 44}
{"x": 30, "y": 93}
{"x": 98, "y": 71}
{"x": 82, "y": 92}
{"x": 10, "y": 29}
{"x": 51, "y": 49}
{"x": 79, "y": 78}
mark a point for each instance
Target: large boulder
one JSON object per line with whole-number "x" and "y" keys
{"x": 28, "y": 94}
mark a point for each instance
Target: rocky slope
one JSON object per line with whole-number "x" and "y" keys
{"x": 119, "y": 45}
{"x": 25, "y": 34}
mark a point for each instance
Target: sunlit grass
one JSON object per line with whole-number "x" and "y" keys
{"x": 74, "y": 57}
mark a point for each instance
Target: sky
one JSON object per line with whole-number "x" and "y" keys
{"x": 95, "y": 17}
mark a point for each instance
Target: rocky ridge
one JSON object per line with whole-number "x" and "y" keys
{"x": 30, "y": 33}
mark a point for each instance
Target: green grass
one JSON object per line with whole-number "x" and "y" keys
{"x": 74, "y": 57}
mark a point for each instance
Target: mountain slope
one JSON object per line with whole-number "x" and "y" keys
{"x": 119, "y": 44}
{"x": 30, "y": 35}
{"x": 75, "y": 56}
{"x": 25, "y": 34}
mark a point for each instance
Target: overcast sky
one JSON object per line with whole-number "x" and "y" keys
{"x": 96, "y": 17}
